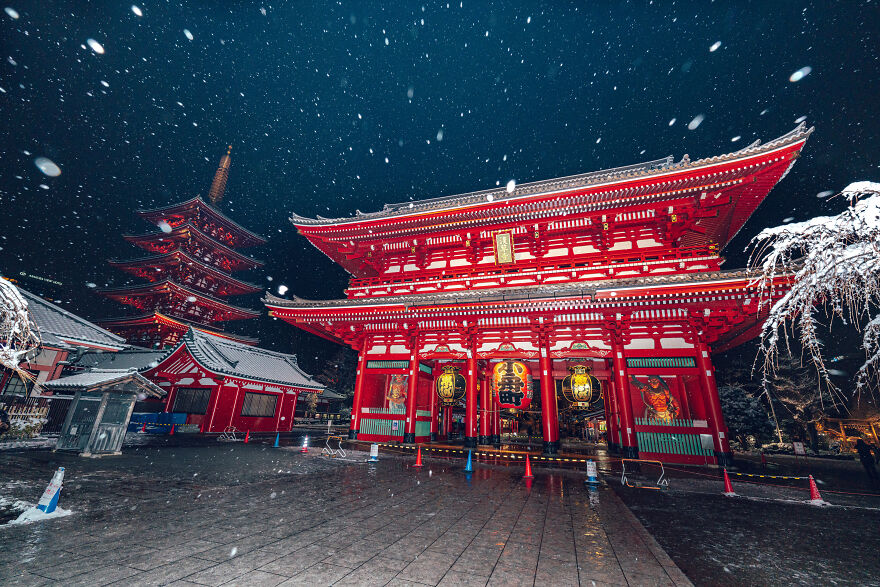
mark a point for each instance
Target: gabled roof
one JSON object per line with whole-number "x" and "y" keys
{"x": 148, "y": 241}
{"x": 111, "y": 380}
{"x": 226, "y": 357}
{"x": 58, "y": 327}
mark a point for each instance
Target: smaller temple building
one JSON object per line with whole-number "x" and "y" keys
{"x": 220, "y": 383}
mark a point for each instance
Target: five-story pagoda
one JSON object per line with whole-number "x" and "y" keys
{"x": 188, "y": 271}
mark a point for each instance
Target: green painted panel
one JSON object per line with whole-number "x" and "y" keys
{"x": 660, "y": 362}
{"x": 674, "y": 444}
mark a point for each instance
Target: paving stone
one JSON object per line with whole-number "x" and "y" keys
{"x": 339, "y": 524}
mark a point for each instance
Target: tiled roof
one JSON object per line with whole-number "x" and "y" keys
{"x": 227, "y": 357}
{"x": 129, "y": 358}
{"x": 123, "y": 380}
{"x": 500, "y": 194}
{"x": 60, "y": 327}
{"x": 525, "y": 292}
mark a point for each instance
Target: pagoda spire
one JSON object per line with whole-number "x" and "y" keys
{"x": 218, "y": 186}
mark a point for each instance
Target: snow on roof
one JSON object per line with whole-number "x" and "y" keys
{"x": 132, "y": 357}
{"x": 59, "y": 327}
{"x": 228, "y": 357}
{"x": 123, "y": 380}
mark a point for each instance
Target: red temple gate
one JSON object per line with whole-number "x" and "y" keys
{"x": 617, "y": 269}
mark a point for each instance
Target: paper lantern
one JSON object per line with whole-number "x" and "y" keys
{"x": 512, "y": 385}
{"x": 580, "y": 388}
{"x": 450, "y": 386}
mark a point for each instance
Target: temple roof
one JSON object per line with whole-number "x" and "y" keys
{"x": 132, "y": 357}
{"x": 243, "y": 236}
{"x": 514, "y": 293}
{"x": 127, "y": 381}
{"x": 500, "y": 196}
{"x": 163, "y": 242}
{"x": 178, "y": 324}
{"x": 226, "y": 357}
{"x": 60, "y": 328}
{"x": 180, "y": 257}
{"x": 174, "y": 289}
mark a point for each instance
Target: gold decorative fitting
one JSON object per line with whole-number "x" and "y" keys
{"x": 675, "y": 217}
{"x": 537, "y": 235}
{"x": 604, "y": 226}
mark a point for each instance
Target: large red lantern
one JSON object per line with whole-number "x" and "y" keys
{"x": 512, "y": 385}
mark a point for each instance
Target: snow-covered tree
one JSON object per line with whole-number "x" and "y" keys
{"x": 744, "y": 414}
{"x": 832, "y": 266}
{"x": 19, "y": 336}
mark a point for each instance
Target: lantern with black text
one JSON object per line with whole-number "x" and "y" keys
{"x": 450, "y": 386}
{"x": 580, "y": 388}
{"x": 512, "y": 384}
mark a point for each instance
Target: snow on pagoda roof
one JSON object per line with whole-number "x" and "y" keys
{"x": 60, "y": 327}
{"x": 181, "y": 256}
{"x": 227, "y": 357}
{"x": 499, "y": 195}
{"x": 177, "y": 323}
{"x": 249, "y": 238}
{"x": 178, "y": 232}
{"x": 592, "y": 289}
{"x": 170, "y": 286}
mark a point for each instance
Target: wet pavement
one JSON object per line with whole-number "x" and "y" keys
{"x": 187, "y": 510}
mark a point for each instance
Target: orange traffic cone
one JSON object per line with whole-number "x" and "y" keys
{"x": 728, "y": 487}
{"x": 247, "y": 437}
{"x": 418, "y": 458}
{"x": 815, "y": 496}
{"x": 528, "y": 474}
{"x": 172, "y": 431}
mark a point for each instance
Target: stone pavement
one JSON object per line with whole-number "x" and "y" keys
{"x": 147, "y": 519}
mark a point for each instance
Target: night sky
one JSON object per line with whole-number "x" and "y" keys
{"x": 349, "y": 105}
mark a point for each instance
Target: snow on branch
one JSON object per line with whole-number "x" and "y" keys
{"x": 19, "y": 336}
{"x": 835, "y": 264}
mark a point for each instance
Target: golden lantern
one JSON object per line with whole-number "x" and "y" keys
{"x": 450, "y": 386}
{"x": 580, "y": 388}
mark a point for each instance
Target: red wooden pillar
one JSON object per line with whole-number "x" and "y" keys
{"x": 629, "y": 448}
{"x": 435, "y": 412}
{"x": 549, "y": 410}
{"x": 611, "y": 416}
{"x": 169, "y": 401}
{"x": 409, "y": 427}
{"x": 713, "y": 406}
{"x": 485, "y": 410}
{"x": 472, "y": 389}
{"x": 447, "y": 422}
{"x": 496, "y": 420}
{"x": 358, "y": 394}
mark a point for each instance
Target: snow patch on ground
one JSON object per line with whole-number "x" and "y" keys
{"x": 32, "y": 515}
{"x": 29, "y": 443}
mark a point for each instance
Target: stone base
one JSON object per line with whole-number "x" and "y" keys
{"x": 725, "y": 459}
{"x": 470, "y": 442}
{"x": 433, "y": 436}
{"x": 495, "y": 439}
{"x": 409, "y": 437}
{"x": 352, "y": 434}
{"x": 551, "y": 448}
{"x": 484, "y": 440}
{"x": 613, "y": 447}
